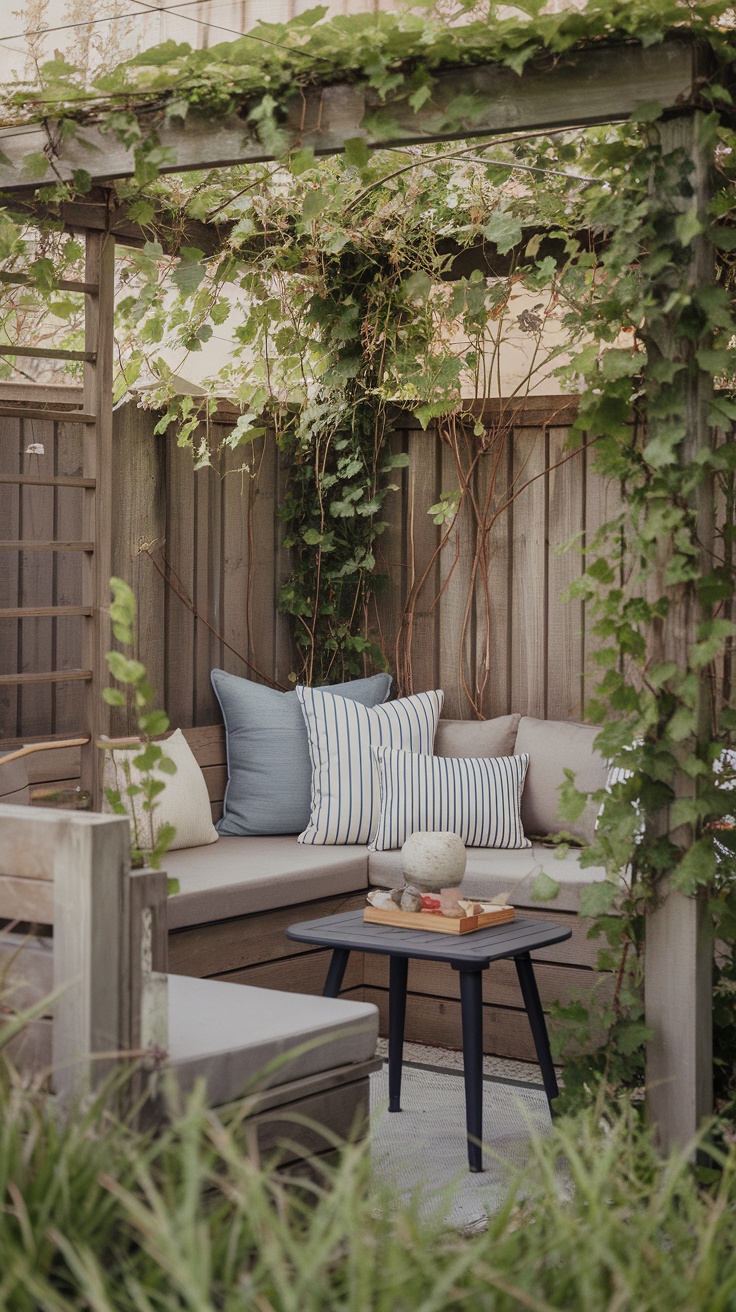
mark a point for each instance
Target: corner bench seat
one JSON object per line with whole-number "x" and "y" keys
{"x": 237, "y": 896}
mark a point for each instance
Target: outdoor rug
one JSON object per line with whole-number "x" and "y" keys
{"x": 424, "y": 1148}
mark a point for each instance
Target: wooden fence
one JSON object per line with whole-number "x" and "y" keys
{"x": 530, "y": 651}
{"x": 215, "y": 536}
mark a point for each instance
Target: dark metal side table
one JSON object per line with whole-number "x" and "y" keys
{"x": 469, "y": 955}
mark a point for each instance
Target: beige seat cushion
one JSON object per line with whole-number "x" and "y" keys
{"x": 238, "y": 876}
{"x": 553, "y": 746}
{"x": 477, "y": 737}
{"x": 237, "y": 1037}
{"x": 184, "y": 802}
{"x": 493, "y": 871}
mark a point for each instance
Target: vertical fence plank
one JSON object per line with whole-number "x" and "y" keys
{"x": 139, "y": 521}
{"x": 269, "y": 635}
{"x": 179, "y": 621}
{"x": 236, "y": 488}
{"x": 565, "y": 699}
{"x": 455, "y": 618}
{"x": 10, "y": 463}
{"x": 206, "y": 593}
{"x": 490, "y": 648}
{"x": 493, "y": 631}
{"x": 529, "y": 559}
{"x": 284, "y": 658}
{"x": 420, "y": 637}
{"x": 602, "y": 503}
{"x": 391, "y": 556}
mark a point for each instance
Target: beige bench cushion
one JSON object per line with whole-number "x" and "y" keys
{"x": 477, "y": 737}
{"x": 493, "y": 871}
{"x": 231, "y": 1034}
{"x": 238, "y": 876}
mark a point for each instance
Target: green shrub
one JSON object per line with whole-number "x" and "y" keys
{"x": 96, "y": 1216}
{"x": 135, "y": 796}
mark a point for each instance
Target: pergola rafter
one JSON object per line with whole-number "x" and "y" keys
{"x": 595, "y": 85}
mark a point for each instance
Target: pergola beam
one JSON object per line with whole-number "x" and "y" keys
{"x": 602, "y": 84}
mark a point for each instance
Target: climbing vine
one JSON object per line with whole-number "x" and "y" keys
{"x": 340, "y": 276}
{"x": 665, "y": 705}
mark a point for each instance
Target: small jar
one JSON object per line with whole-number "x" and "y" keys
{"x": 433, "y": 860}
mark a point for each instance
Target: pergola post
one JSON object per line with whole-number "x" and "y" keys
{"x": 678, "y": 987}
{"x": 679, "y": 947}
{"x": 98, "y": 499}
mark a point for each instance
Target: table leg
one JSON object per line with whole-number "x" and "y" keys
{"x": 530, "y": 994}
{"x": 471, "y": 1008}
{"x": 398, "y": 971}
{"x": 336, "y": 972}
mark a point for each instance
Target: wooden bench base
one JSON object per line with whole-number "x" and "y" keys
{"x": 289, "y": 1120}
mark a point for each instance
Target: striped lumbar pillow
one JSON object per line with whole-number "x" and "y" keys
{"x": 478, "y": 798}
{"x": 341, "y": 733}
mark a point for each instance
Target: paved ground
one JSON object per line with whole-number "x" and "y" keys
{"x": 499, "y": 1068}
{"x": 422, "y": 1152}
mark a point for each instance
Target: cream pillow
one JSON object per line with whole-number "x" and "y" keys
{"x": 184, "y": 802}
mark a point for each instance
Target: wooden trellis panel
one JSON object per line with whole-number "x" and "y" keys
{"x": 40, "y": 507}
{"x": 46, "y": 532}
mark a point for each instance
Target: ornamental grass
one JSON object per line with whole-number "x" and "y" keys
{"x": 97, "y": 1215}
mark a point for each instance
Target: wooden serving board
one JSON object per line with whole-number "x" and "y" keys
{"x": 440, "y": 924}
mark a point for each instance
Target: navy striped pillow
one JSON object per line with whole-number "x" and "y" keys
{"x": 341, "y": 733}
{"x": 478, "y": 798}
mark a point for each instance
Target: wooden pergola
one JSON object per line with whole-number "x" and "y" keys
{"x": 597, "y": 85}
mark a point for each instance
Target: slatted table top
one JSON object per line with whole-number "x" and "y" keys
{"x": 349, "y": 930}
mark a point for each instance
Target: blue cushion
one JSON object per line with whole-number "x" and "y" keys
{"x": 269, "y": 771}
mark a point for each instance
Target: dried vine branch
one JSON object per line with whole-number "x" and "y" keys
{"x": 173, "y": 581}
